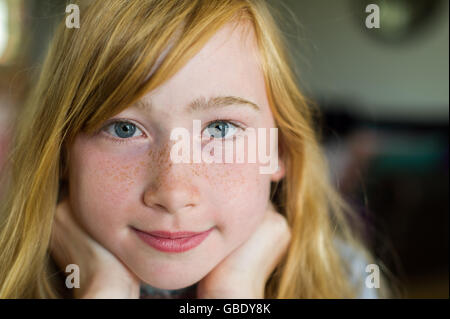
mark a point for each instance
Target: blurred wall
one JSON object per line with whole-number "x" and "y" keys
{"x": 337, "y": 60}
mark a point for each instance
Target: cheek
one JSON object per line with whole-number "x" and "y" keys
{"x": 240, "y": 194}
{"x": 102, "y": 187}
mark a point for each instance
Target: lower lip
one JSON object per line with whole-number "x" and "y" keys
{"x": 173, "y": 245}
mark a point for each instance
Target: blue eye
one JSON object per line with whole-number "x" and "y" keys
{"x": 221, "y": 129}
{"x": 123, "y": 129}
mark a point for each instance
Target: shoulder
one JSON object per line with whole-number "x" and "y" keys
{"x": 356, "y": 264}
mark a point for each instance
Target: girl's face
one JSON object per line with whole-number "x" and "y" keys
{"x": 122, "y": 178}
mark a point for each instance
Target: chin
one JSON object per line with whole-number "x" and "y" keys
{"x": 171, "y": 282}
{"x": 169, "y": 275}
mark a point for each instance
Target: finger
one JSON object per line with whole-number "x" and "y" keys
{"x": 67, "y": 237}
{"x": 281, "y": 234}
{"x": 265, "y": 246}
{"x": 58, "y": 241}
{"x": 271, "y": 241}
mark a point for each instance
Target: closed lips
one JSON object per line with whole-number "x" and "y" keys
{"x": 173, "y": 236}
{"x": 169, "y": 235}
{"x": 173, "y": 242}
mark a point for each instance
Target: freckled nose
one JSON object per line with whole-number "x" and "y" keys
{"x": 172, "y": 191}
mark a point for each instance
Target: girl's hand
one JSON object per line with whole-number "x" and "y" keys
{"x": 243, "y": 274}
{"x": 102, "y": 275}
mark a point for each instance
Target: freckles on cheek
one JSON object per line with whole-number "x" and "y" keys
{"x": 107, "y": 181}
{"x": 236, "y": 180}
{"x": 237, "y": 190}
{"x": 105, "y": 187}
{"x": 233, "y": 179}
{"x": 112, "y": 180}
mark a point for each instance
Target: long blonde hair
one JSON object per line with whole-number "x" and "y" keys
{"x": 98, "y": 70}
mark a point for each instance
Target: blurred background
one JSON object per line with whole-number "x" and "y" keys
{"x": 384, "y": 97}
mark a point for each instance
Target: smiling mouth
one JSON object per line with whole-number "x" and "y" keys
{"x": 174, "y": 242}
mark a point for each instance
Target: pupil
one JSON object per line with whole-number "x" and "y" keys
{"x": 221, "y": 128}
{"x": 125, "y": 130}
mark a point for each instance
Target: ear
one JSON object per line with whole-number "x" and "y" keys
{"x": 281, "y": 171}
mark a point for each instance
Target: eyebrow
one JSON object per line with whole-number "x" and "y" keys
{"x": 201, "y": 103}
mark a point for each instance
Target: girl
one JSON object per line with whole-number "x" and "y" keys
{"x": 93, "y": 183}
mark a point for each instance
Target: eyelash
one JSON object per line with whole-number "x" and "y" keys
{"x": 126, "y": 140}
{"x": 222, "y": 120}
{"x": 239, "y": 126}
{"x": 120, "y": 140}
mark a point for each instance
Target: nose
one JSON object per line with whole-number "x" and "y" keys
{"x": 172, "y": 190}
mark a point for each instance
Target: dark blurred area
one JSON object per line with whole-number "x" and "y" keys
{"x": 384, "y": 97}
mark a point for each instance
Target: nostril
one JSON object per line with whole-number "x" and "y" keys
{"x": 186, "y": 208}
{"x": 171, "y": 199}
{"x": 162, "y": 208}
{"x": 159, "y": 206}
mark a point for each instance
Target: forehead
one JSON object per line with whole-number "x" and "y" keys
{"x": 228, "y": 64}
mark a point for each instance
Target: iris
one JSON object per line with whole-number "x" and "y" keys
{"x": 219, "y": 129}
{"x": 124, "y": 129}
